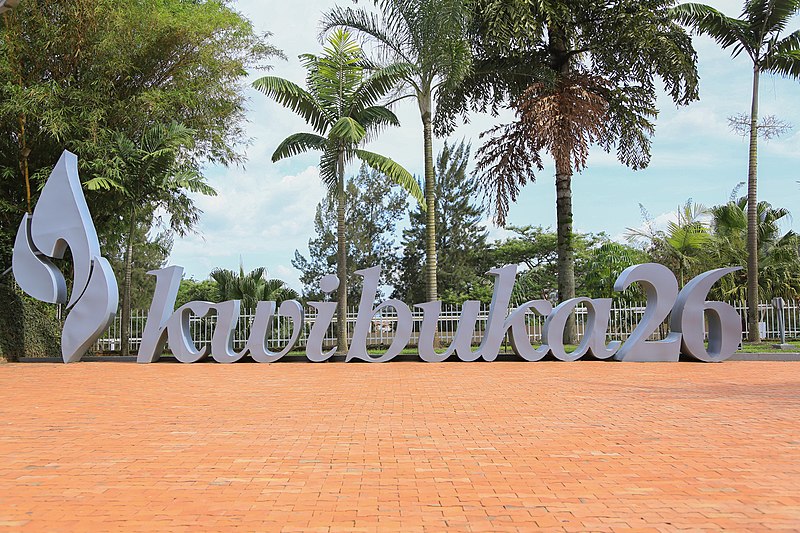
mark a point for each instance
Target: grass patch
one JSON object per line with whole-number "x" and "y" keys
{"x": 766, "y": 347}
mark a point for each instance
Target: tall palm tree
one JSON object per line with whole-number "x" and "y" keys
{"x": 341, "y": 105}
{"x": 758, "y": 34}
{"x": 251, "y": 287}
{"x": 578, "y": 73}
{"x": 150, "y": 173}
{"x": 429, "y": 37}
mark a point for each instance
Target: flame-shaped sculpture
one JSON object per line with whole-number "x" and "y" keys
{"x": 61, "y": 220}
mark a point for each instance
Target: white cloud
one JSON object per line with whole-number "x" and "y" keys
{"x": 260, "y": 219}
{"x": 496, "y": 233}
{"x": 288, "y": 274}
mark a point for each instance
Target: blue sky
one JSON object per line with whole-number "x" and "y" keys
{"x": 264, "y": 211}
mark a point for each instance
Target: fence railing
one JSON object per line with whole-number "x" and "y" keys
{"x": 624, "y": 318}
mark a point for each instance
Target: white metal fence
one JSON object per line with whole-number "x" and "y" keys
{"x": 624, "y": 318}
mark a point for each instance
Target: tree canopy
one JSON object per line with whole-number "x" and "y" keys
{"x": 76, "y": 73}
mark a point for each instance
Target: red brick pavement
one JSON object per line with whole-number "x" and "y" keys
{"x": 400, "y": 447}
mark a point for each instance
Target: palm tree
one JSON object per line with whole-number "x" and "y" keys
{"x": 778, "y": 253}
{"x": 251, "y": 287}
{"x": 429, "y": 37}
{"x": 757, "y": 33}
{"x": 150, "y": 173}
{"x": 578, "y": 73}
{"x": 341, "y": 105}
{"x": 681, "y": 245}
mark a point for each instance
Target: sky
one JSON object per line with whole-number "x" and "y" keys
{"x": 265, "y": 211}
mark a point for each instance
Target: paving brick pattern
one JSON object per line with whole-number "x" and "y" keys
{"x": 400, "y": 447}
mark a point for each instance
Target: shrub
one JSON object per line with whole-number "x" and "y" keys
{"x": 27, "y": 328}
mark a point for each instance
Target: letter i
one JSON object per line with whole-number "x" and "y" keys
{"x": 325, "y": 312}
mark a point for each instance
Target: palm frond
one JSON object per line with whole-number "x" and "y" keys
{"x": 379, "y": 84}
{"x": 783, "y": 57}
{"x": 727, "y": 31}
{"x": 505, "y": 163}
{"x": 785, "y": 63}
{"x": 163, "y": 137}
{"x": 294, "y": 97}
{"x": 193, "y": 181}
{"x": 375, "y": 119}
{"x": 395, "y": 172}
{"x": 368, "y": 24}
{"x": 347, "y": 130}
{"x": 102, "y": 184}
{"x": 687, "y": 238}
{"x": 298, "y": 143}
{"x": 328, "y": 169}
{"x": 769, "y": 16}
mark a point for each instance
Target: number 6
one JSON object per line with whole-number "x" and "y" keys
{"x": 724, "y": 323}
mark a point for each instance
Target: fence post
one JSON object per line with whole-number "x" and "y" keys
{"x": 777, "y": 303}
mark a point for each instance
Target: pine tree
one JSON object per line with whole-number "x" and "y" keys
{"x": 373, "y": 208}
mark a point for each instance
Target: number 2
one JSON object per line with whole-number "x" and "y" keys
{"x": 661, "y": 288}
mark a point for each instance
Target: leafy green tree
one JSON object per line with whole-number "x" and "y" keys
{"x": 340, "y": 104}
{"x": 758, "y": 34}
{"x": 460, "y": 237}
{"x": 75, "y": 72}
{"x": 604, "y": 264}
{"x": 429, "y": 38}
{"x": 192, "y": 290}
{"x": 152, "y": 252}
{"x": 150, "y": 172}
{"x": 577, "y": 74}
{"x": 535, "y": 250}
{"x": 373, "y": 209}
{"x": 251, "y": 287}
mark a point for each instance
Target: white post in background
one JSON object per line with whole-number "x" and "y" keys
{"x": 778, "y": 304}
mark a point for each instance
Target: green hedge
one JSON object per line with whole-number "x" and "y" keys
{"x": 27, "y": 328}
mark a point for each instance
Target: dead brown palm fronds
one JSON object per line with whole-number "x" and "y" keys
{"x": 563, "y": 120}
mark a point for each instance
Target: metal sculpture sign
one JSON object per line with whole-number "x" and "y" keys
{"x": 61, "y": 220}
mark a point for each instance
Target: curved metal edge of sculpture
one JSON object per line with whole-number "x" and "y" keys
{"x": 61, "y": 220}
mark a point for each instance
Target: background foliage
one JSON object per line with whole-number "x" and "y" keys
{"x": 373, "y": 208}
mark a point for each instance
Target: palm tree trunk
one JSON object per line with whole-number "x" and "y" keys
{"x": 752, "y": 219}
{"x": 125, "y": 318}
{"x": 431, "y": 290}
{"x": 341, "y": 262}
{"x": 565, "y": 262}
{"x": 560, "y": 61}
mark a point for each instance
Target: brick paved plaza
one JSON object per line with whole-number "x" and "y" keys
{"x": 400, "y": 447}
